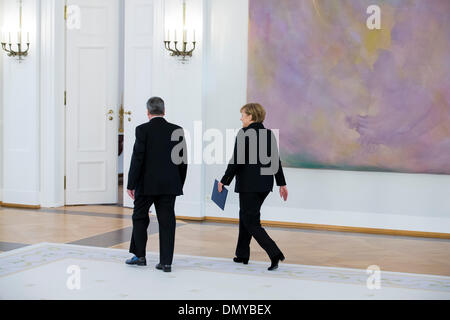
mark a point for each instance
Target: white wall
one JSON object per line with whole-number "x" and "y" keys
{"x": 21, "y": 112}
{"x": 418, "y": 202}
{"x": 180, "y": 85}
{"x": 211, "y": 88}
{"x": 225, "y": 84}
{"x": 1, "y": 105}
{"x": 33, "y": 151}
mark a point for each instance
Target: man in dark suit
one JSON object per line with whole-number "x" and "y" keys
{"x": 156, "y": 176}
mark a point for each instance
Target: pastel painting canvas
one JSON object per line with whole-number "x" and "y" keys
{"x": 347, "y": 97}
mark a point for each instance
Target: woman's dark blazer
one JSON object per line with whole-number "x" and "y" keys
{"x": 248, "y": 173}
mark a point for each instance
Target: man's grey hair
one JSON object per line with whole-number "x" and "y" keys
{"x": 155, "y": 105}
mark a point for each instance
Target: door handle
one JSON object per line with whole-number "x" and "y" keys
{"x": 110, "y": 113}
{"x": 129, "y": 115}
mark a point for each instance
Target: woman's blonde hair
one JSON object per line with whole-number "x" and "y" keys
{"x": 255, "y": 110}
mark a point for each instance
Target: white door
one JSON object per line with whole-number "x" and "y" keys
{"x": 139, "y": 19}
{"x": 93, "y": 98}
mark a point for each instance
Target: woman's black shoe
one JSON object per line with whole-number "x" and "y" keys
{"x": 275, "y": 261}
{"x": 239, "y": 260}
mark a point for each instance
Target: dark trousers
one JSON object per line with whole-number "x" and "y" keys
{"x": 164, "y": 205}
{"x": 250, "y": 225}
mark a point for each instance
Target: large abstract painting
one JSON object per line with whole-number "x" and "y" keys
{"x": 347, "y": 97}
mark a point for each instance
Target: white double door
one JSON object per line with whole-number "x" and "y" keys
{"x": 94, "y": 92}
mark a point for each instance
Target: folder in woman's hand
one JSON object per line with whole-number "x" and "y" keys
{"x": 219, "y": 198}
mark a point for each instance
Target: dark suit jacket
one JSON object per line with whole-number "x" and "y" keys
{"x": 152, "y": 171}
{"x": 248, "y": 175}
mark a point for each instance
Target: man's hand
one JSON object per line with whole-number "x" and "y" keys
{"x": 131, "y": 193}
{"x": 219, "y": 186}
{"x": 283, "y": 192}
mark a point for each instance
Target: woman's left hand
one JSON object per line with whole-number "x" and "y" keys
{"x": 284, "y": 192}
{"x": 220, "y": 186}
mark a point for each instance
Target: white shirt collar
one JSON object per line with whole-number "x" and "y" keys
{"x": 156, "y": 117}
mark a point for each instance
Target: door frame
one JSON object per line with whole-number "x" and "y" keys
{"x": 52, "y": 52}
{"x": 136, "y": 94}
{"x": 52, "y": 113}
{"x": 103, "y": 155}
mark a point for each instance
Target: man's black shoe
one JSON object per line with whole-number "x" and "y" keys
{"x": 164, "y": 267}
{"x": 137, "y": 261}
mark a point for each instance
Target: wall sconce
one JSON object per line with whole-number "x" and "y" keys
{"x": 16, "y": 53}
{"x": 183, "y": 52}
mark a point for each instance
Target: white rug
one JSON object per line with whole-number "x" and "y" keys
{"x": 41, "y": 272}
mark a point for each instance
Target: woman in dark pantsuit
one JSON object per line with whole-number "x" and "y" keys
{"x": 255, "y": 162}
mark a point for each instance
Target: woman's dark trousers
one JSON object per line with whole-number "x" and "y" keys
{"x": 250, "y": 225}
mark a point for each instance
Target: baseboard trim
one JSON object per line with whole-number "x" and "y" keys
{"x": 190, "y": 218}
{"x": 324, "y": 227}
{"x": 18, "y": 205}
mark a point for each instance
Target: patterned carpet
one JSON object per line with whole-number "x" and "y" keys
{"x": 54, "y": 271}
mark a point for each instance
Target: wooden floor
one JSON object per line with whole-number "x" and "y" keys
{"x": 110, "y": 226}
